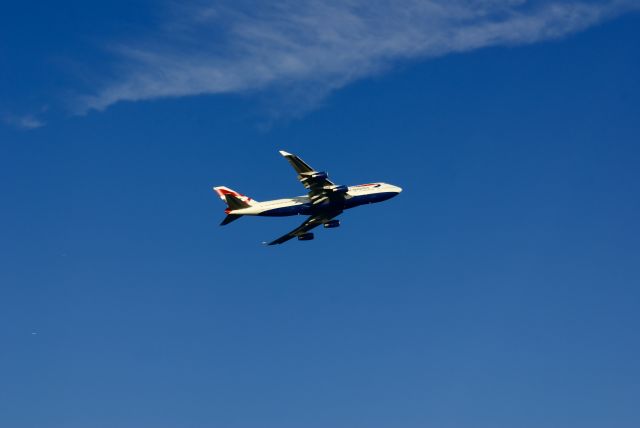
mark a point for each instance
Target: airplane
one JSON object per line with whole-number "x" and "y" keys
{"x": 323, "y": 202}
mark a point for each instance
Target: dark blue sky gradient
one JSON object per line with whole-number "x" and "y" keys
{"x": 500, "y": 289}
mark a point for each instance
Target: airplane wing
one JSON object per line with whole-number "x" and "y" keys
{"x": 309, "y": 223}
{"x": 320, "y": 188}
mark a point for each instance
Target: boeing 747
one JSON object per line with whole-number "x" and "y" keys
{"x": 323, "y": 202}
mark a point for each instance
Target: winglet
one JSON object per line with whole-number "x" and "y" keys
{"x": 298, "y": 164}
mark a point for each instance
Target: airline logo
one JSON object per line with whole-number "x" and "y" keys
{"x": 368, "y": 185}
{"x": 222, "y": 191}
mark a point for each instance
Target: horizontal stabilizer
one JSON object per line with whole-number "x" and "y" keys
{"x": 229, "y": 218}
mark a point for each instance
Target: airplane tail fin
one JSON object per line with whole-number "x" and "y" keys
{"x": 223, "y": 191}
{"x": 234, "y": 201}
{"x": 229, "y": 218}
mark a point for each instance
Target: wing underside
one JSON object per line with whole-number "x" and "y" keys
{"x": 309, "y": 177}
{"x": 320, "y": 188}
{"x": 322, "y": 192}
{"x": 310, "y": 223}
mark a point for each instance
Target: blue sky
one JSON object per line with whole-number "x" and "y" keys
{"x": 500, "y": 289}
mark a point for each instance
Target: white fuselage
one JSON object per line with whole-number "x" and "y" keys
{"x": 356, "y": 195}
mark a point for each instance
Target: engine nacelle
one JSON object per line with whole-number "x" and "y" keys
{"x": 305, "y": 237}
{"x": 340, "y": 190}
{"x": 320, "y": 175}
{"x": 331, "y": 224}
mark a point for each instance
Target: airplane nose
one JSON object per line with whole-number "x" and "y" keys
{"x": 398, "y": 189}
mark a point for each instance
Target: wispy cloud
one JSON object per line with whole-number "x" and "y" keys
{"x": 314, "y": 46}
{"x": 26, "y": 122}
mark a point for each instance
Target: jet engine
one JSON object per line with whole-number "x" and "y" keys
{"x": 340, "y": 190}
{"x": 331, "y": 224}
{"x": 305, "y": 237}
{"x": 320, "y": 175}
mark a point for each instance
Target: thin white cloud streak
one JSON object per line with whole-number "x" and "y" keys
{"x": 314, "y": 47}
{"x": 25, "y": 122}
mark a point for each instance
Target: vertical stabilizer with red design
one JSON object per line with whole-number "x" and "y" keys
{"x": 234, "y": 201}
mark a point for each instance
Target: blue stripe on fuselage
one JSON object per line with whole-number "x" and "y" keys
{"x": 298, "y": 209}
